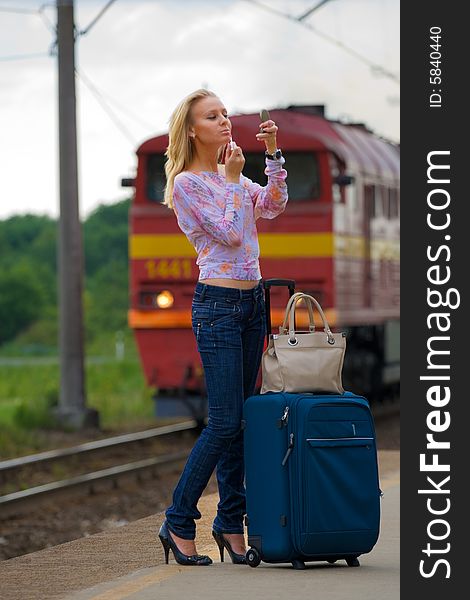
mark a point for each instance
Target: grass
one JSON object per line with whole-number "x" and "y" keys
{"x": 119, "y": 393}
{"x": 29, "y": 391}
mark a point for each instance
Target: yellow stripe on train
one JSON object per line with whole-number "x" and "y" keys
{"x": 272, "y": 245}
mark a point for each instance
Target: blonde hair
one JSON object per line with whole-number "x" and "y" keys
{"x": 180, "y": 150}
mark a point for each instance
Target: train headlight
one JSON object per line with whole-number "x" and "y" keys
{"x": 164, "y": 299}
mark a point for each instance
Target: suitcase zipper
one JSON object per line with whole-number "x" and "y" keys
{"x": 295, "y": 514}
{"x": 285, "y": 416}
{"x": 282, "y": 422}
{"x": 289, "y": 449}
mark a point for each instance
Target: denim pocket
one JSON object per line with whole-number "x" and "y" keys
{"x": 200, "y": 310}
{"x": 224, "y": 310}
{"x": 200, "y": 316}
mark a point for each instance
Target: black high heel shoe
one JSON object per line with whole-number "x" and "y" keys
{"x": 168, "y": 544}
{"x": 222, "y": 542}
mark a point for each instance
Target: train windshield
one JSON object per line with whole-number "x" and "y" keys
{"x": 155, "y": 180}
{"x": 302, "y": 167}
{"x": 303, "y": 177}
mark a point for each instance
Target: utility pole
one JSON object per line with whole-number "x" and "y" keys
{"x": 72, "y": 411}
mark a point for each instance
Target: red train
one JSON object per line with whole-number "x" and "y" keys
{"x": 338, "y": 238}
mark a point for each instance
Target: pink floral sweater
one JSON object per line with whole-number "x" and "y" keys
{"x": 219, "y": 218}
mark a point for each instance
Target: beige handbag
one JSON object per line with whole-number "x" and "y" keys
{"x": 303, "y": 361}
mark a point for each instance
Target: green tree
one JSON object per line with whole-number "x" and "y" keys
{"x": 18, "y": 233}
{"x": 28, "y": 274}
{"x": 107, "y": 298}
{"x": 21, "y": 301}
{"x": 106, "y": 236}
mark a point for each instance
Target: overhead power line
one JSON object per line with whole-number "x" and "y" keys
{"x": 106, "y": 97}
{"x": 98, "y": 16}
{"x": 23, "y": 56}
{"x": 20, "y": 11}
{"x": 39, "y": 12}
{"x": 378, "y": 69}
{"x": 52, "y": 28}
{"x": 105, "y": 106}
{"x": 311, "y": 10}
{"x": 103, "y": 99}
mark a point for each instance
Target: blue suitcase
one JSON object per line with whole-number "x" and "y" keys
{"x": 311, "y": 475}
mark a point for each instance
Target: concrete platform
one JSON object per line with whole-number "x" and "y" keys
{"x": 127, "y": 563}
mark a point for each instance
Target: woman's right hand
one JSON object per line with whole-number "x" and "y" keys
{"x": 234, "y": 163}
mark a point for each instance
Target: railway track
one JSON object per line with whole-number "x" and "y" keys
{"x": 19, "y": 501}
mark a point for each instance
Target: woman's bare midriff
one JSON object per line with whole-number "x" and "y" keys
{"x": 233, "y": 283}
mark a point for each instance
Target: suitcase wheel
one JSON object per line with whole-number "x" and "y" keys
{"x": 353, "y": 562}
{"x": 332, "y": 561}
{"x": 252, "y": 557}
{"x": 298, "y": 564}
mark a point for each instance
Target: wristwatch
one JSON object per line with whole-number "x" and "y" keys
{"x": 276, "y": 155}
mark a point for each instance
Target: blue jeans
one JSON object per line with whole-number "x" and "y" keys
{"x": 229, "y": 325}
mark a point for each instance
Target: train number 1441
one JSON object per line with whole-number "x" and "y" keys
{"x": 168, "y": 269}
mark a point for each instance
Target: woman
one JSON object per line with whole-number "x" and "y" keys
{"x": 217, "y": 207}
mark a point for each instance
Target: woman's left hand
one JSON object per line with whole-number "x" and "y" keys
{"x": 268, "y": 132}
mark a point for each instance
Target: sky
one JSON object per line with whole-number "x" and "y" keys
{"x": 141, "y": 57}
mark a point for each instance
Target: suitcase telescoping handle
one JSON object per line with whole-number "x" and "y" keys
{"x": 268, "y": 284}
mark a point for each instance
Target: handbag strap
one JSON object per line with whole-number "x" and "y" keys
{"x": 309, "y": 300}
{"x": 283, "y": 327}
